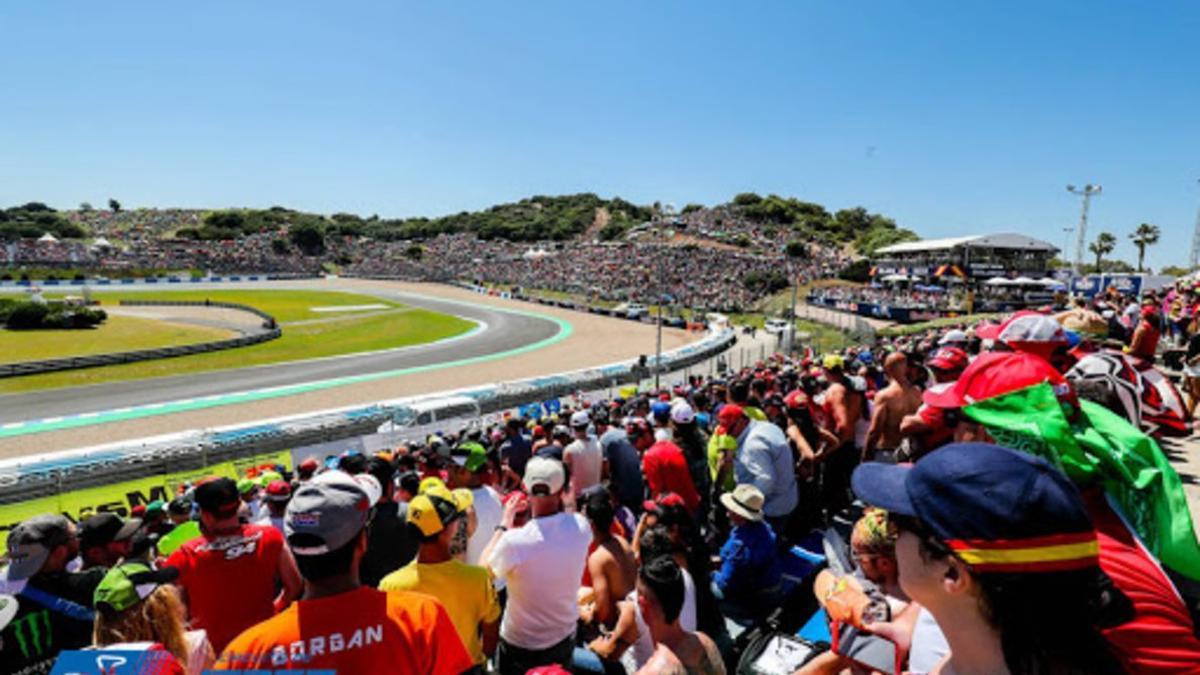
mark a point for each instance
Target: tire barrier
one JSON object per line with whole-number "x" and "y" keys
{"x": 270, "y": 332}
{"x": 28, "y": 478}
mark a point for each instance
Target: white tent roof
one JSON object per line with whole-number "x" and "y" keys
{"x": 894, "y": 277}
{"x": 1025, "y": 281}
{"x": 1004, "y": 240}
{"x": 999, "y": 281}
{"x": 48, "y": 238}
{"x": 102, "y": 242}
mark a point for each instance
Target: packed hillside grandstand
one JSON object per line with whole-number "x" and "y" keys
{"x": 750, "y": 519}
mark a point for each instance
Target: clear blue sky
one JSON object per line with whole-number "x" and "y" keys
{"x": 951, "y": 117}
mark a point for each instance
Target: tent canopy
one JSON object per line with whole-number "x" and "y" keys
{"x": 48, "y": 238}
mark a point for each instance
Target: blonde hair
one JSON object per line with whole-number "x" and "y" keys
{"x": 158, "y": 618}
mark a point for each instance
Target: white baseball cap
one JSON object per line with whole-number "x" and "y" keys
{"x": 580, "y": 419}
{"x": 544, "y": 471}
{"x": 953, "y": 337}
{"x": 682, "y": 413}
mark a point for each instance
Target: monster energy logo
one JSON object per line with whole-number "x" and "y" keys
{"x": 33, "y": 633}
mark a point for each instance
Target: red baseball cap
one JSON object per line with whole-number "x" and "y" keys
{"x": 279, "y": 491}
{"x": 949, "y": 358}
{"x": 730, "y": 414}
{"x": 796, "y": 399}
{"x": 995, "y": 374}
{"x": 667, "y": 499}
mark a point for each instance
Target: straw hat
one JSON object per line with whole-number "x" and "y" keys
{"x": 746, "y": 501}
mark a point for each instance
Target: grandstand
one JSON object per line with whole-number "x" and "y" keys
{"x": 975, "y": 257}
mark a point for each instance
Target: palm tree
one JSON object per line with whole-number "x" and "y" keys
{"x": 1104, "y": 244}
{"x": 1146, "y": 235}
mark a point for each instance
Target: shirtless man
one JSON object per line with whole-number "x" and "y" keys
{"x": 898, "y": 399}
{"x": 677, "y": 651}
{"x": 610, "y": 565}
{"x": 838, "y": 454}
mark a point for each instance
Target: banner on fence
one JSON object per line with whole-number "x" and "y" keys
{"x": 120, "y": 498}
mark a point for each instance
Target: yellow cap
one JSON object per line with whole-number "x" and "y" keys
{"x": 833, "y": 361}
{"x": 432, "y": 511}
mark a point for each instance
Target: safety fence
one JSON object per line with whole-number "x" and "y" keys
{"x": 59, "y": 474}
{"x": 270, "y": 332}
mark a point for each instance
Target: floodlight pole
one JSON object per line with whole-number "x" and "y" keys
{"x": 1085, "y": 193}
{"x": 1195, "y": 255}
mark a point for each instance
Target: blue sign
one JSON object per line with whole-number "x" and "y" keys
{"x": 112, "y": 662}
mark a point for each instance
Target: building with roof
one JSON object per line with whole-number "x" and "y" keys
{"x": 973, "y": 257}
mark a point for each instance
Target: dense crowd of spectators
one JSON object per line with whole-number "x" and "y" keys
{"x": 991, "y": 509}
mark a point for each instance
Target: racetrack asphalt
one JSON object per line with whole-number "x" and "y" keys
{"x": 519, "y": 340}
{"x": 501, "y": 331}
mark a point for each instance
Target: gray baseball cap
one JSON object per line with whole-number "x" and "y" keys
{"x": 30, "y": 543}
{"x": 325, "y": 514}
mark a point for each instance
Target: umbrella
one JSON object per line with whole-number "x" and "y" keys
{"x": 1025, "y": 281}
{"x": 895, "y": 277}
{"x": 999, "y": 281}
{"x": 1049, "y": 282}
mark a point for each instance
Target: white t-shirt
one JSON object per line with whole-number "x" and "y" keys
{"x": 929, "y": 645}
{"x": 636, "y": 656}
{"x": 488, "y": 512}
{"x": 586, "y": 460}
{"x": 542, "y": 563}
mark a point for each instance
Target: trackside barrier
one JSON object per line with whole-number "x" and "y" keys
{"x": 58, "y": 473}
{"x": 271, "y": 331}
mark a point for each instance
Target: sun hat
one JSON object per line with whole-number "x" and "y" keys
{"x": 997, "y": 373}
{"x": 544, "y": 471}
{"x": 999, "y": 510}
{"x": 745, "y": 500}
{"x": 325, "y": 515}
{"x": 471, "y": 456}
{"x": 31, "y": 541}
{"x": 129, "y": 583}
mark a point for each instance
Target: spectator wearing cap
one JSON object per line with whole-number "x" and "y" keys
{"x": 624, "y": 464}
{"x": 666, "y": 470}
{"x": 660, "y": 416}
{"x": 248, "y": 490}
{"x": 138, "y": 609}
{"x": 583, "y": 457}
{"x": 390, "y": 543}
{"x": 690, "y": 438}
{"x": 339, "y": 624}
{"x": 307, "y": 469}
{"x": 516, "y": 448}
{"x": 997, "y": 545}
{"x": 179, "y": 510}
{"x": 229, "y": 575}
{"x": 739, "y": 394}
{"x": 104, "y": 539}
{"x": 469, "y": 466}
{"x": 749, "y": 577}
{"x": 154, "y": 520}
{"x": 55, "y": 606}
{"x": 277, "y": 495}
{"x": 660, "y": 596}
{"x": 541, "y": 563}
{"x": 1144, "y": 342}
{"x": 763, "y": 459}
{"x": 465, "y": 590}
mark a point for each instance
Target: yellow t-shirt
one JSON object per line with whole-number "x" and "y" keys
{"x": 465, "y": 590}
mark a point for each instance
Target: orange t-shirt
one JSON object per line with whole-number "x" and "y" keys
{"x": 361, "y": 631}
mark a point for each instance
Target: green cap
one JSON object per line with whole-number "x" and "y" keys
{"x": 470, "y": 455}
{"x": 267, "y": 477}
{"x": 128, "y": 584}
{"x": 156, "y": 505}
{"x": 245, "y": 486}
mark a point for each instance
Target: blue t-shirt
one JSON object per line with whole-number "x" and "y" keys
{"x": 749, "y": 561}
{"x": 624, "y": 467}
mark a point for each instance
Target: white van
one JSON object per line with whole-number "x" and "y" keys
{"x": 776, "y": 326}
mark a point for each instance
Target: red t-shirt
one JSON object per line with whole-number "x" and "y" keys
{"x": 666, "y": 470}
{"x": 360, "y": 631}
{"x": 1160, "y": 637}
{"x": 230, "y": 580}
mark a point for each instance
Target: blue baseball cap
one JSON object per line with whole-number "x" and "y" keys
{"x": 660, "y": 409}
{"x": 999, "y": 510}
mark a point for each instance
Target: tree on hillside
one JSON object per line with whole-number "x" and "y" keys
{"x": 746, "y": 199}
{"x": 114, "y": 206}
{"x": 796, "y": 249}
{"x": 309, "y": 237}
{"x": 1104, "y": 244}
{"x": 1145, "y": 235}
{"x": 85, "y": 206}
{"x": 1175, "y": 271}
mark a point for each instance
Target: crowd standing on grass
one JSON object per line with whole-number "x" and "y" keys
{"x": 998, "y": 509}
